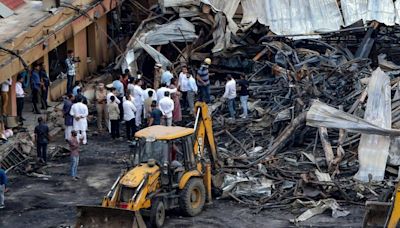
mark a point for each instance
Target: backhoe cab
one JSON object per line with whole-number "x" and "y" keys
{"x": 171, "y": 169}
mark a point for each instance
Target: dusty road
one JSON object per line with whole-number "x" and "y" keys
{"x": 50, "y": 202}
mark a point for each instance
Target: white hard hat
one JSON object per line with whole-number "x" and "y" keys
{"x": 207, "y": 61}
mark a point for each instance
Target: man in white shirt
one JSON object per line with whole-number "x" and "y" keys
{"x": 184, "y": 86}
{"x": 20, "y": 94}
{"x": 129, "y": 117}
{"x": 5, "y": 88}
{"x": 138, "y": 99}
{"x": 146, "y": 93}
{"x": 131, "y": 86}
{"x": 166, "y": 106}
{"x": 230, "y": 95}
{"x": 80, "y": 112}
{"x": 167, "y": 76}
{"x": 191, "y": 93}
{"x": 161, "y": 92}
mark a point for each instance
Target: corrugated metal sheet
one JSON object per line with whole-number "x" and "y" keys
{"x": 354, "y": 10}
{"x": 382, "y": 11}
{"x": 179, "y": 30}
{"x": 173, "y": 3}
{"x": 12, "y": 4}
{"x": 5, "y": 11}
{"x": 288, "y": 17}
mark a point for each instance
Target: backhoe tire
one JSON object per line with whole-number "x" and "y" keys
{"x": 157, "y": 213}
{"x": 193, "y": 197}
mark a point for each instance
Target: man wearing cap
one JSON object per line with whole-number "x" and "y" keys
{"x": 80, "y": 112}
{"x": 158, "y": 71}
{"x": 101, "y": 95}
{"x": 203, "y": 80}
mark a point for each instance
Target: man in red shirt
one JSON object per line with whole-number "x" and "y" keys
{"x": 74, "y": 142}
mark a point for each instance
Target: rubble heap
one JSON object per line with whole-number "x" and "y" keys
{"x": 278, "y": 158}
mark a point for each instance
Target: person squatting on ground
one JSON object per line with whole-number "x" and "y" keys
{"x": 166, "y": 106}
{"x": 42, "y": 140}
{"x": 113, "y": 115}
{"x": 3, "y": 187}
{"x": 74, "y": 142}
{"x": 80, "y": 112}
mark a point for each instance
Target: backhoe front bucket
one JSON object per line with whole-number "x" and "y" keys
{"x": 376, "y": 213}
{"x": 97, "y": 216}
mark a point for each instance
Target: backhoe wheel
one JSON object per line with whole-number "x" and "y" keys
{"x": 157, "y": 213}
{"x": 193, "y": 197}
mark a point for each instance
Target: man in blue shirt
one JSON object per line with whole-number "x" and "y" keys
{"x": 155, "y": 115}
{"x": 42, "y": 139}
{"x": 119, "y": 88}
{"x": 3, "y": 187}
{"x": 203, "y": 80}
{"x": 76, "y": 87}
{"x": 167, "y": 76}
{"x": 35, "y": 86}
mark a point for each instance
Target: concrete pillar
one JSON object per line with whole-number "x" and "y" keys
{"x": 13, "y": 98}
{"x": 93, "y": 51}
{"x": 102, "y": 44}
{"x": 80, "y": 50}
{"x": 47, "y": 67}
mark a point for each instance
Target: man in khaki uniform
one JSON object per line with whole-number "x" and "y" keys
{"x": 158, "y": 71}
{"x": 101, "y": 95}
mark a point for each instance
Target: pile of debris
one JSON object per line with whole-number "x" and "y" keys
{"x": 313, "y": 137}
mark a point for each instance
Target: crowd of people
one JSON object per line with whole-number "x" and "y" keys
{"x": 37, "y": 80}
{"x": 127, "y": 100}
{"x": 131, "y": 101}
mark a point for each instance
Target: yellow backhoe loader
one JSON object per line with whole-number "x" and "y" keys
{"x": 172, "y": 169}
{"x": 384, "y": 213}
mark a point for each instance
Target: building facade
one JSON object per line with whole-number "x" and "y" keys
{"x": 34, "y": 34}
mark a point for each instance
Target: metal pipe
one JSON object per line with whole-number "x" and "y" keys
{"x": 114, "y": 186}
{"x": 197, "y": 119}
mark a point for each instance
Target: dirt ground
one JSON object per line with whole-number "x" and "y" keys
{"x": 50, "y": 201}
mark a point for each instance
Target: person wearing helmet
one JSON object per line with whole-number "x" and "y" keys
{"x": 203, "y": 81}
